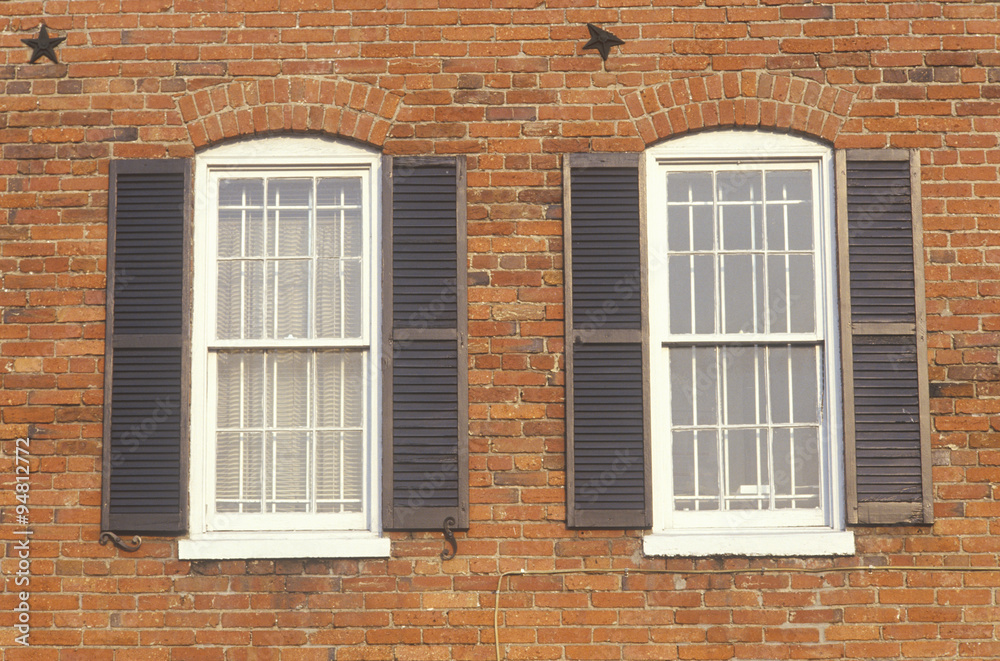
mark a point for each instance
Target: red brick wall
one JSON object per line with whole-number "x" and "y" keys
{"x": 508, "y": 87}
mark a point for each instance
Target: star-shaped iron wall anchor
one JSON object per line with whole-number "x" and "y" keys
{"x": 602, "y": 41}
{"x": 43, "y": 45}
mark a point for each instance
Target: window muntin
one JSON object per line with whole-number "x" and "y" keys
{"x": 741, "y": 319}
{"x": 284, "y": 366}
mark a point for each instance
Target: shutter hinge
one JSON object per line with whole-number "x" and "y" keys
{"x": 449, "y": 537}
{"x": 121, "y": 543}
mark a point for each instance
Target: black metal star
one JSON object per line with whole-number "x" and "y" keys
{"x": 43, "y": 45}
{"x": 602, "y": 41}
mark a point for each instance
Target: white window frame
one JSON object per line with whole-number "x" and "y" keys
{"x": 723, "y": 533}
{"x": 219, "y": 536}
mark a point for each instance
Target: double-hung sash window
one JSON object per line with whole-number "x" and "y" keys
{"x": 744, "y": 369}
{"x": 290, "y": 355}
{"x": 285, "y": 388}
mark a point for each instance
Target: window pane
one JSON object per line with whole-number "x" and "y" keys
{"x": 228, "y": 463}
{"x": 806, "y": 465}
{"x": 738, "y": 293}
{"x": 704, "y": 293}
{"x": 784, "y": 468}
{"x": 802, "y": 296}
{"x": 796, "y": 468}
{"x": 230, "y": 232}
{"x": 748, "y": 483}
{"x": 777, "y": 293}
{"x": 330, "y": 321}
{"x": 790, "y": 226}
{"x": 682, "y": 395}
{"x": 241, "y": 193}
{"x": 685, "y": 477}
{"x": 353, "y": 232}
{"x": 339, "y": 471}
{"x": 241, "y": 215}
{"x": 339, "y": 192}
{"x": 680, "y": 293}
{"x": 353, "y": 297}
{"x": 706, "y": 391}
{"x": 229, "y": 313}
{"x": 695, "y": 460}
{"x": 286, "y": 481}
{"x": 240, "y": 390}
{"x": 239, "y": 313}
{"x": 694, "y": 386}
{"x": 329, "y": 233}
{"x": 741, "y": 226}
{"x": 253, "y": 300}
{"x": 800, "y": 226}
{"x": 288, "y": 305}
{"x": 339, "y": 303}
{"x": 690, "y": 228}
{"x": 776, "y": 227}
{"x": 739, "y": 185}
{"x": 790, "y": 208}
{"x": 238, "y": 472}
{"x": 689, "y": 187}
{"x": 340, "y": 389}
{"x": 288, "y": 232}
{"x": 744, "y": 374}
{"x": 707, "y": 443}
{"x": 804, "y": 372}
{"x": 288, "y": 388}
{"x": 679, "y": 228}
{"x": 289, "y": 193}
{"x": 779, "y": 382}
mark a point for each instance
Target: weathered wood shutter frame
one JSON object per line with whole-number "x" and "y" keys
{"x": 147, "y": 373}
{"x": 418, "y": 343}
{"x": 591, "y": 492}
{"x": 906, "y": 506}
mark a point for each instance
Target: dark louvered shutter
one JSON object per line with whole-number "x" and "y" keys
{"x": 607, "y": 394}
{"x": 145, "y": 399}
{"x": 884, "y": 339}
{"x": 425, "y": 407}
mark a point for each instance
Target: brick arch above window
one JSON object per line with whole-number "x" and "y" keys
{"x": 748, "y": 98}
{"x": 255, "y": 106}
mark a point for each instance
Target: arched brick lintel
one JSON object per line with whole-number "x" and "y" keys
{"x": 255, "y": 106}
{"x": 751, "y": 99}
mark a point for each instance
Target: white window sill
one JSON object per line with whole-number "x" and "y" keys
{"x": 275, "y": 545}
{"x": 763, "y": 542}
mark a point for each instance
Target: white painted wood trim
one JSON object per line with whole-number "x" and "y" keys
{"x": 781, "y": 542}
{"x": 259, "y": 546}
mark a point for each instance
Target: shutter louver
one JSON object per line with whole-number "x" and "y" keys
{"x": 425, "y": 406}
{"x": 607, "y": 399}
{"x": 145, "y": 422}
{"x": 886, "y": 418}
{"x": 884, "y": 339}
